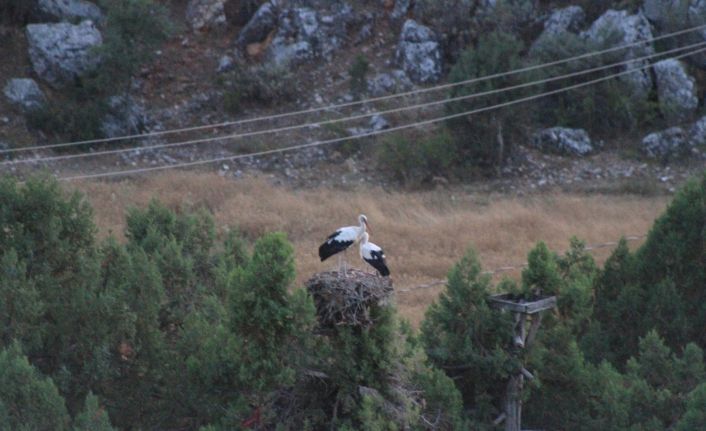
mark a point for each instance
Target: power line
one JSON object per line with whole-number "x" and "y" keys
{"x": 506, "y": 268}
{"x": 355, "y": 103}
{"x": 368, "y": 134}
{"x": 350, "y": 118}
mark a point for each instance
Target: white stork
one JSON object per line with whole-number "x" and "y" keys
{"x": 343, "y": 238}
{"x": 373, "y": 254}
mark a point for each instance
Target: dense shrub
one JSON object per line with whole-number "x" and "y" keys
{"x": 264, "y": 84}
{"x": 416, "y": 160}
{"x": 607, "y": 108}
{"x": 358, "y": 71}
{"x": 485, "y": 139}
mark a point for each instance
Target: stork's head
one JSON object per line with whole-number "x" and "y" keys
{"x": 364, "y": 221}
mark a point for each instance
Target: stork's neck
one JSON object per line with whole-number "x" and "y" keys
{"x": 364, "y": 237}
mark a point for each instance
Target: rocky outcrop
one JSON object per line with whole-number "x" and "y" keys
{"x": 205, "y": 14}
{"x": 261, "y": 24}
{"x": 561, "y": 140}
{"x": 290, "y": 33}
{"x": 568, "y": 19}
{"x": 419, "y": 53}
{"x": 61, "y": 52}
{"x": 304, "y": 33}
{"x": 451, "y": 20}
{"x": 697, "y": 133}
{"x": 666, "y": 145}
{"x": 676, "y": 90}
{"x": 65, "y": 10}
{"x": 125, "y": 117}
{"x": 615, "y": 28}
{"x": 24, "y": 93}
{"x": 400, "y": 9}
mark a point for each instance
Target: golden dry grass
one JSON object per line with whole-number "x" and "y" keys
{"x": 423, "y": 233}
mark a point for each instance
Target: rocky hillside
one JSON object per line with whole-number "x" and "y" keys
{"x": 77, "y": 70}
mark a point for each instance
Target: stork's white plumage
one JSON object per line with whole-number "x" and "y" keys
{"x": 373, "y": 254}
{"x": 343, "y": 238}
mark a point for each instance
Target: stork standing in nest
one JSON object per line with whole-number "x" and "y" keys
{"x": 373, "y": 255}
{"x": 341, "y": 240}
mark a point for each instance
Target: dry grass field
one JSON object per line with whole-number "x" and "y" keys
{"x": 423, "y": 233}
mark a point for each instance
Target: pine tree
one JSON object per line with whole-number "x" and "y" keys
{"x": 93, "y": 417}
{"x": 464, "y": 337}
{"x": 28, "y": 401}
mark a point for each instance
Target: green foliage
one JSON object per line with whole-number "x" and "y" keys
{"x": 415, "y": 161}
{"x": 464, "y": 337}
{"x": 28, "y": 401}
{"x": 695, "y": 416}
{"x": 268, "y": 322}
{"x": 358, "y": 72}
{"x": 607, "y": 108}
{"x": 93, "y": 417}
{"x": 264, "y": 84}
{"x": 485, "y": 139}
{"x": 660, "y": 286}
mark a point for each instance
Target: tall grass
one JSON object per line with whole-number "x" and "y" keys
{"x": 423, "y": 233}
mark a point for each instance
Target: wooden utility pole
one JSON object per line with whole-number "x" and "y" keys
{"x": 524, "y": 310}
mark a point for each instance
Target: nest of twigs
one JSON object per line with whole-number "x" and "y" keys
{"x": 346, "y": 299}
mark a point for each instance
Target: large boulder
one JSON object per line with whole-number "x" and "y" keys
{"x": 676, "y": 90}
{"x": 261, "y": 24}
{"x": 697, "y": 133}
{"x": 616, "y": 28}
{"x": 125, "y": 117}
{"x": 569, "y": 19}
{"x": 666, "y": 145}
{"x": 561, "y": 140}
{"x": 24, "y": 93}
{"x": 62, "y": 52}
{"x": 305, "y": 33}
{"x": 419, "y": 53}
{"x": 205, "y": 14}
{"x": 453, "y": 21}
{"x": 65, "y": 10}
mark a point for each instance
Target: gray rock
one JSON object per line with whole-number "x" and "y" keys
{"x": 401, "y": 9}
{"x": 667, "y": 144}
{"x": 697, "y": 133}
{"x": 561, "y": 140}
{"x": 452, "y": 20}
{"x": 615, "y": 28}
{"x": 61, "y": 52}
{"x": 378, "y": 122}
{"x": 261, "y": 24}
{"x": 25, "y": 93}
{"x": 676, "y": 90}
{"x": 386, "y": 83}
{"x": 205, "y": 14}
{"x": 419, "y": 53}
{"x": 225, "y": 64}
{"x": 65, "y": 10}
{"x": 569, "y": 19}
{"x": 125, "y": 117}
{"x": 304, "y": 33}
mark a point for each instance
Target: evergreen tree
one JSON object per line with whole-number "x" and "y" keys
{"x": 695, "y": 416}
{"x": 28, "y": 401}
{"x": 464, "y": 337}
{"x": 93, "y": 417}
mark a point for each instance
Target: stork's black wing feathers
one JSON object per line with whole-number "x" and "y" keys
{"x": 332, "y": 246}
{"x": 377, "y": 260}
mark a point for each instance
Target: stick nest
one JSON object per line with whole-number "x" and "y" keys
{"x": 347, "y": 299}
